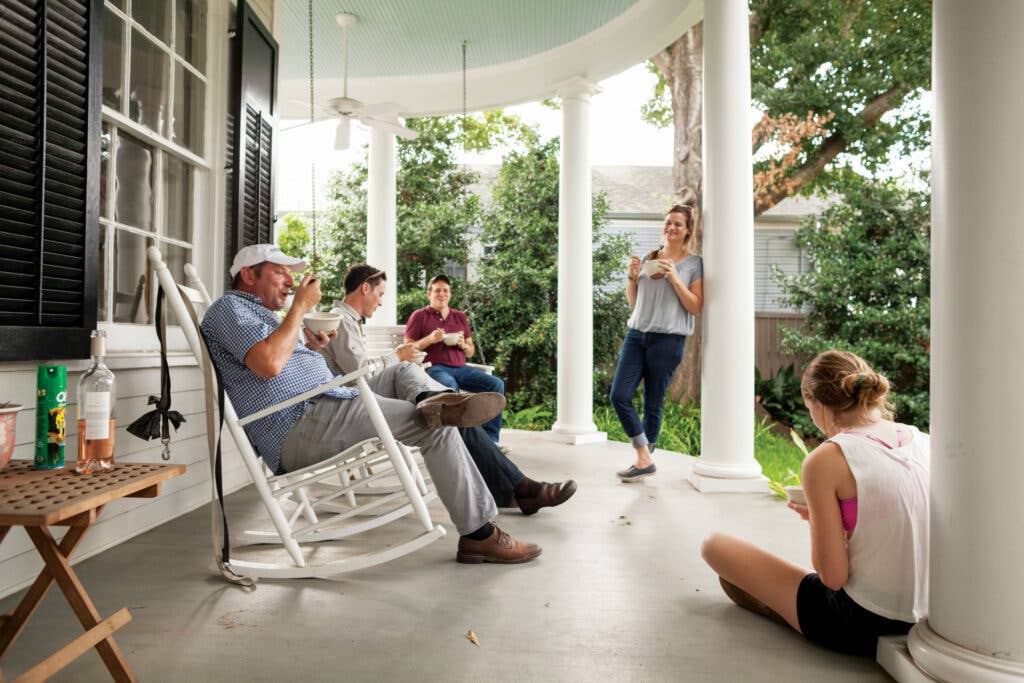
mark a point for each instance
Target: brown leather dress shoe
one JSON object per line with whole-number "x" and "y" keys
{"x": 499, "y": 548}
{"x": 459, "y": 410}
{"x": 549, "y": 496}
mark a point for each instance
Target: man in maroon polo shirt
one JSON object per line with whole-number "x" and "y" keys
{"x": 445, "y": 335}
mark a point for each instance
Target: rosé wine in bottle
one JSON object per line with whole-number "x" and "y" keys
{"x": 96, "y": 412}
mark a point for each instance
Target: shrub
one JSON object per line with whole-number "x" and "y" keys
{"x": 780, "y": 396}
{"x": 868, "y": 287}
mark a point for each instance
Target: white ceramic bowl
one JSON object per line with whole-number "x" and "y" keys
{"x": 796, "y": 495}
{"x": 651, "y": 268}
{"x": 318, "y": 322}
{"x": 451, "y": 339}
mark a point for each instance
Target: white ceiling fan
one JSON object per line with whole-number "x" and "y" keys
{"x": 382, "y": 115}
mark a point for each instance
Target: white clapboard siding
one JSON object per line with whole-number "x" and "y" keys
{"x": 125, "y": 518}
{"x": 774, "y": 247}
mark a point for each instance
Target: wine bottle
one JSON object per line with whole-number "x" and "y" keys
{"x": 96, "y": 412}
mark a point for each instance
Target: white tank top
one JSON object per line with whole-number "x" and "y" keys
{"x": 888, "y": 549}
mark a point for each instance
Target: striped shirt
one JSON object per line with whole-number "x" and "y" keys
{"x": 234, "y": 324}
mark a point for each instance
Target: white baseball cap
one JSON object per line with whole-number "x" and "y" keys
{"x": 259, "y": 253}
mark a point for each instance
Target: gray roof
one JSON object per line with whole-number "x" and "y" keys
{"x": 644, "y": 191}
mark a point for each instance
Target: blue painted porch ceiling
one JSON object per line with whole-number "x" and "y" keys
{"x": 415, "y": 37}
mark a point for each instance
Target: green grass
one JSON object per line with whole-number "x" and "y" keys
{"x": 780, "y": 458}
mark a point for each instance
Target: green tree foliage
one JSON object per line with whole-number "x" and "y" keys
{"x": 435, "y": 209}
{"x": 294, "y": 238}
{"x": 514, "y": 303}
{"x": 858, "y": 67}
{"x": 868, "y": 287}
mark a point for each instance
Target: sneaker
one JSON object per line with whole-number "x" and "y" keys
{"x": 634, "y": 473}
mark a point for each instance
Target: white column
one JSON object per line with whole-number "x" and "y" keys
{"x": 976, "y": 596}
{"x": 381, "y": 220}
{"x": 726, "y": 460}
{"x": 575, "y": 420}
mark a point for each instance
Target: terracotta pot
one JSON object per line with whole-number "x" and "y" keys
{"x": 8, "y": 419}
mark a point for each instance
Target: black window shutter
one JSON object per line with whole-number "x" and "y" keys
{"x": 50, "y": 60}
{"x": 251, "y": 126}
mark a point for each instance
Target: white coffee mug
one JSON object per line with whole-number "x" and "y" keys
{"x": 652, "y": 268}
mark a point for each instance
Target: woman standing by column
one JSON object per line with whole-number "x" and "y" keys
{"x": 666, "y": 291}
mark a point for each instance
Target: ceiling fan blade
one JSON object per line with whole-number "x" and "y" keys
{"x": 343, "y": 133}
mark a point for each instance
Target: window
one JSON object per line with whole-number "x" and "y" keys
{"x": 155, "y": 161}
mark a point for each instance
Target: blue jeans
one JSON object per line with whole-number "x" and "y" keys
{"x": 651, "y": 357}
{"x": 471, "y": 379}
{"x": 500, "y": 474}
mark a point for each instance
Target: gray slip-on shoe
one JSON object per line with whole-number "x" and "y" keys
{"x": 634, "y": 473}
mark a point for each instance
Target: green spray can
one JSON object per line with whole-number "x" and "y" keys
{"x": 51, "y": 412}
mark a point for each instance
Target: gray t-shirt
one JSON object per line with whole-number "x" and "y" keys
{"x": 658, "y": 309}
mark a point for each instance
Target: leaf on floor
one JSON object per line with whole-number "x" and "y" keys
{"x": 471, "y": 637}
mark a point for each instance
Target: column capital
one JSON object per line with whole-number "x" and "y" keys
{"x": 577, "y": 87}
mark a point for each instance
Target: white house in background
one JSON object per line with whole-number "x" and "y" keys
{"x": 638, "y": 197}
{"x": 141, "y": 103}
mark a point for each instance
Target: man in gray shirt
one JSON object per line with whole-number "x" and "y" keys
{"x": 395, "y": 375}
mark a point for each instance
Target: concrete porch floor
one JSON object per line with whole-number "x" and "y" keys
{"x": 607, "y": 601}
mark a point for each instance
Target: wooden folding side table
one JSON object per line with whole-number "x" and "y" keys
{"x": 38, "y": 500}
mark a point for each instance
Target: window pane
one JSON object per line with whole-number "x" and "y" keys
{"x": 104, "y": 169}
{"x": 190, "y": 32}
{"x": 175, "y": 257}
{"x": 155, "y": 17}
{"x": 179, "y": 181}
{"x": 119, "y": 4}
{"x": 149, "y": 88}
{"x": 133, "y": 184}
{"x": 103, "y": 313}
{"x": 189, "y": 103}
{"x": 131, "y": 284}
{"x": 113, "y": 51}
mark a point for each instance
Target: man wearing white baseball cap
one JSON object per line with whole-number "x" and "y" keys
{"x": 262, "y": 362}
{"x": 255, "y": 254}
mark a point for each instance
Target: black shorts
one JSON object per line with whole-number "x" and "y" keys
{"x": 833, "y": 620}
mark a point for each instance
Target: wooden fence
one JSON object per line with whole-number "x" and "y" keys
{"x": 768, "y": 355}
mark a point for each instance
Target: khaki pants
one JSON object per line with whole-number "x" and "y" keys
{"x": 330, "y": 425}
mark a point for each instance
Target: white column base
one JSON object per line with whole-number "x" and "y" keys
{"x": 575, "y": 436}
{"x": 894, "y": 657}
{"x": 946, "y": 661}
{"x": 725, "y": 478}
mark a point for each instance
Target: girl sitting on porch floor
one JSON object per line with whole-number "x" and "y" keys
{"x": 867, "y": 505}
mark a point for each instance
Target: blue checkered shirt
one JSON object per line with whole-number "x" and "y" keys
{"x": 234, "y": 324}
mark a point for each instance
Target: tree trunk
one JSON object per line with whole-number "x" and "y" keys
{"x": 682, "y": 65}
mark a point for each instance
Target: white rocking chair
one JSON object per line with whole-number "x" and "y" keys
{"x": 322, "y": 498}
